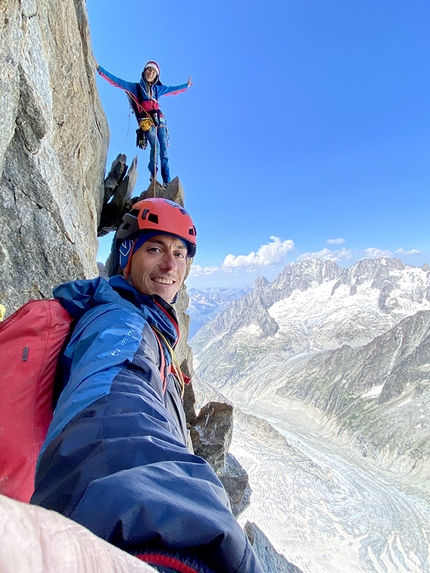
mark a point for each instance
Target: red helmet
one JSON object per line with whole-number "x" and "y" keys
{"x": 161, "y": 215}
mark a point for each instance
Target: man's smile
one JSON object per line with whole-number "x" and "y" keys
{"x": 163, "y": 281}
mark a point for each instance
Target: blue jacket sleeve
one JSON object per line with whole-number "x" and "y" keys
{"x": 170, "y": 90}
{"x": 118, "y": 82}
{"x": 120, "y": 466}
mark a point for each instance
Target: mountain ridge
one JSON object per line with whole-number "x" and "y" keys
{"x": 345, "y": 340}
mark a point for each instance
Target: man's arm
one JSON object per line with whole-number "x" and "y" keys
{"x": 120, "y": 467}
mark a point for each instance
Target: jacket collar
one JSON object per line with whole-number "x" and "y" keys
{"x": 77, "y": 297}
{"x": 153, "y": 307}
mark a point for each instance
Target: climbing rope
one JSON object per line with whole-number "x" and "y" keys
{"x": 174, "y": 359}
{"x": 154, "y": 175}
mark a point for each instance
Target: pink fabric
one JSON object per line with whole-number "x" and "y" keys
{"x": 35, "y": 540}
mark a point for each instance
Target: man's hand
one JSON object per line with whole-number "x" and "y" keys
{"x": 189, "y": 82}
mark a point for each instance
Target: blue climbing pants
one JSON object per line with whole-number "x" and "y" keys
{"x": 157, "y": 139}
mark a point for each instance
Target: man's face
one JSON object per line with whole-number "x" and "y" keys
{"x": 159, "y": 266}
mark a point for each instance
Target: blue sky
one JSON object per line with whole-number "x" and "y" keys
{"x": 306, "y": 132}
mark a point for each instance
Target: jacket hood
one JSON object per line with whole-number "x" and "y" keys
{"x": 144, "y": 84}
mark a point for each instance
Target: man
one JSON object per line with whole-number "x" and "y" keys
{"x": 144, "y": 96}
{"x": 115, "y": 458}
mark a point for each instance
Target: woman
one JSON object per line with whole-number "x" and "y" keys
{"x": 145, "y": 94}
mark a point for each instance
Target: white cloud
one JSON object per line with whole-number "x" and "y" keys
{"x": 411, "y": 252}
{"x": 339, "y": 241}
{"x": 270, "y": 254}
{"x": 374, "y": 252}
{"x": 199, "y": 271}
{"x": 329, "y": 255}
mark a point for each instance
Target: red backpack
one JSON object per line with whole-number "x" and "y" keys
{"x": 31, "y": 341}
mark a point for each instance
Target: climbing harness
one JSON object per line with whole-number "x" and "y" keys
{"x": 143, "y": 119}
{"x": 146, "y": 121}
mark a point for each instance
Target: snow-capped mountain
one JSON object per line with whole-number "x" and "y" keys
{"x": 330, "y": 369}
{"x": 206, "y": 304}
{"x": 313, "y": 306}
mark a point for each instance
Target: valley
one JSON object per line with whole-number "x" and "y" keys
{"x": 324, "y": 508}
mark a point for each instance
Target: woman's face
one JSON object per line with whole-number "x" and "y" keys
{"x": 150, "y": 75}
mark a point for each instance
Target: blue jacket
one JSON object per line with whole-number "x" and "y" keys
{"x": 115, "y": 458}
{"x": 144, "y": 96}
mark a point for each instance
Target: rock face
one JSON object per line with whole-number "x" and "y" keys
{"x": 211, "y": 433}
{"x": 270, "y": 559}
{"x": 53, "y": 145}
